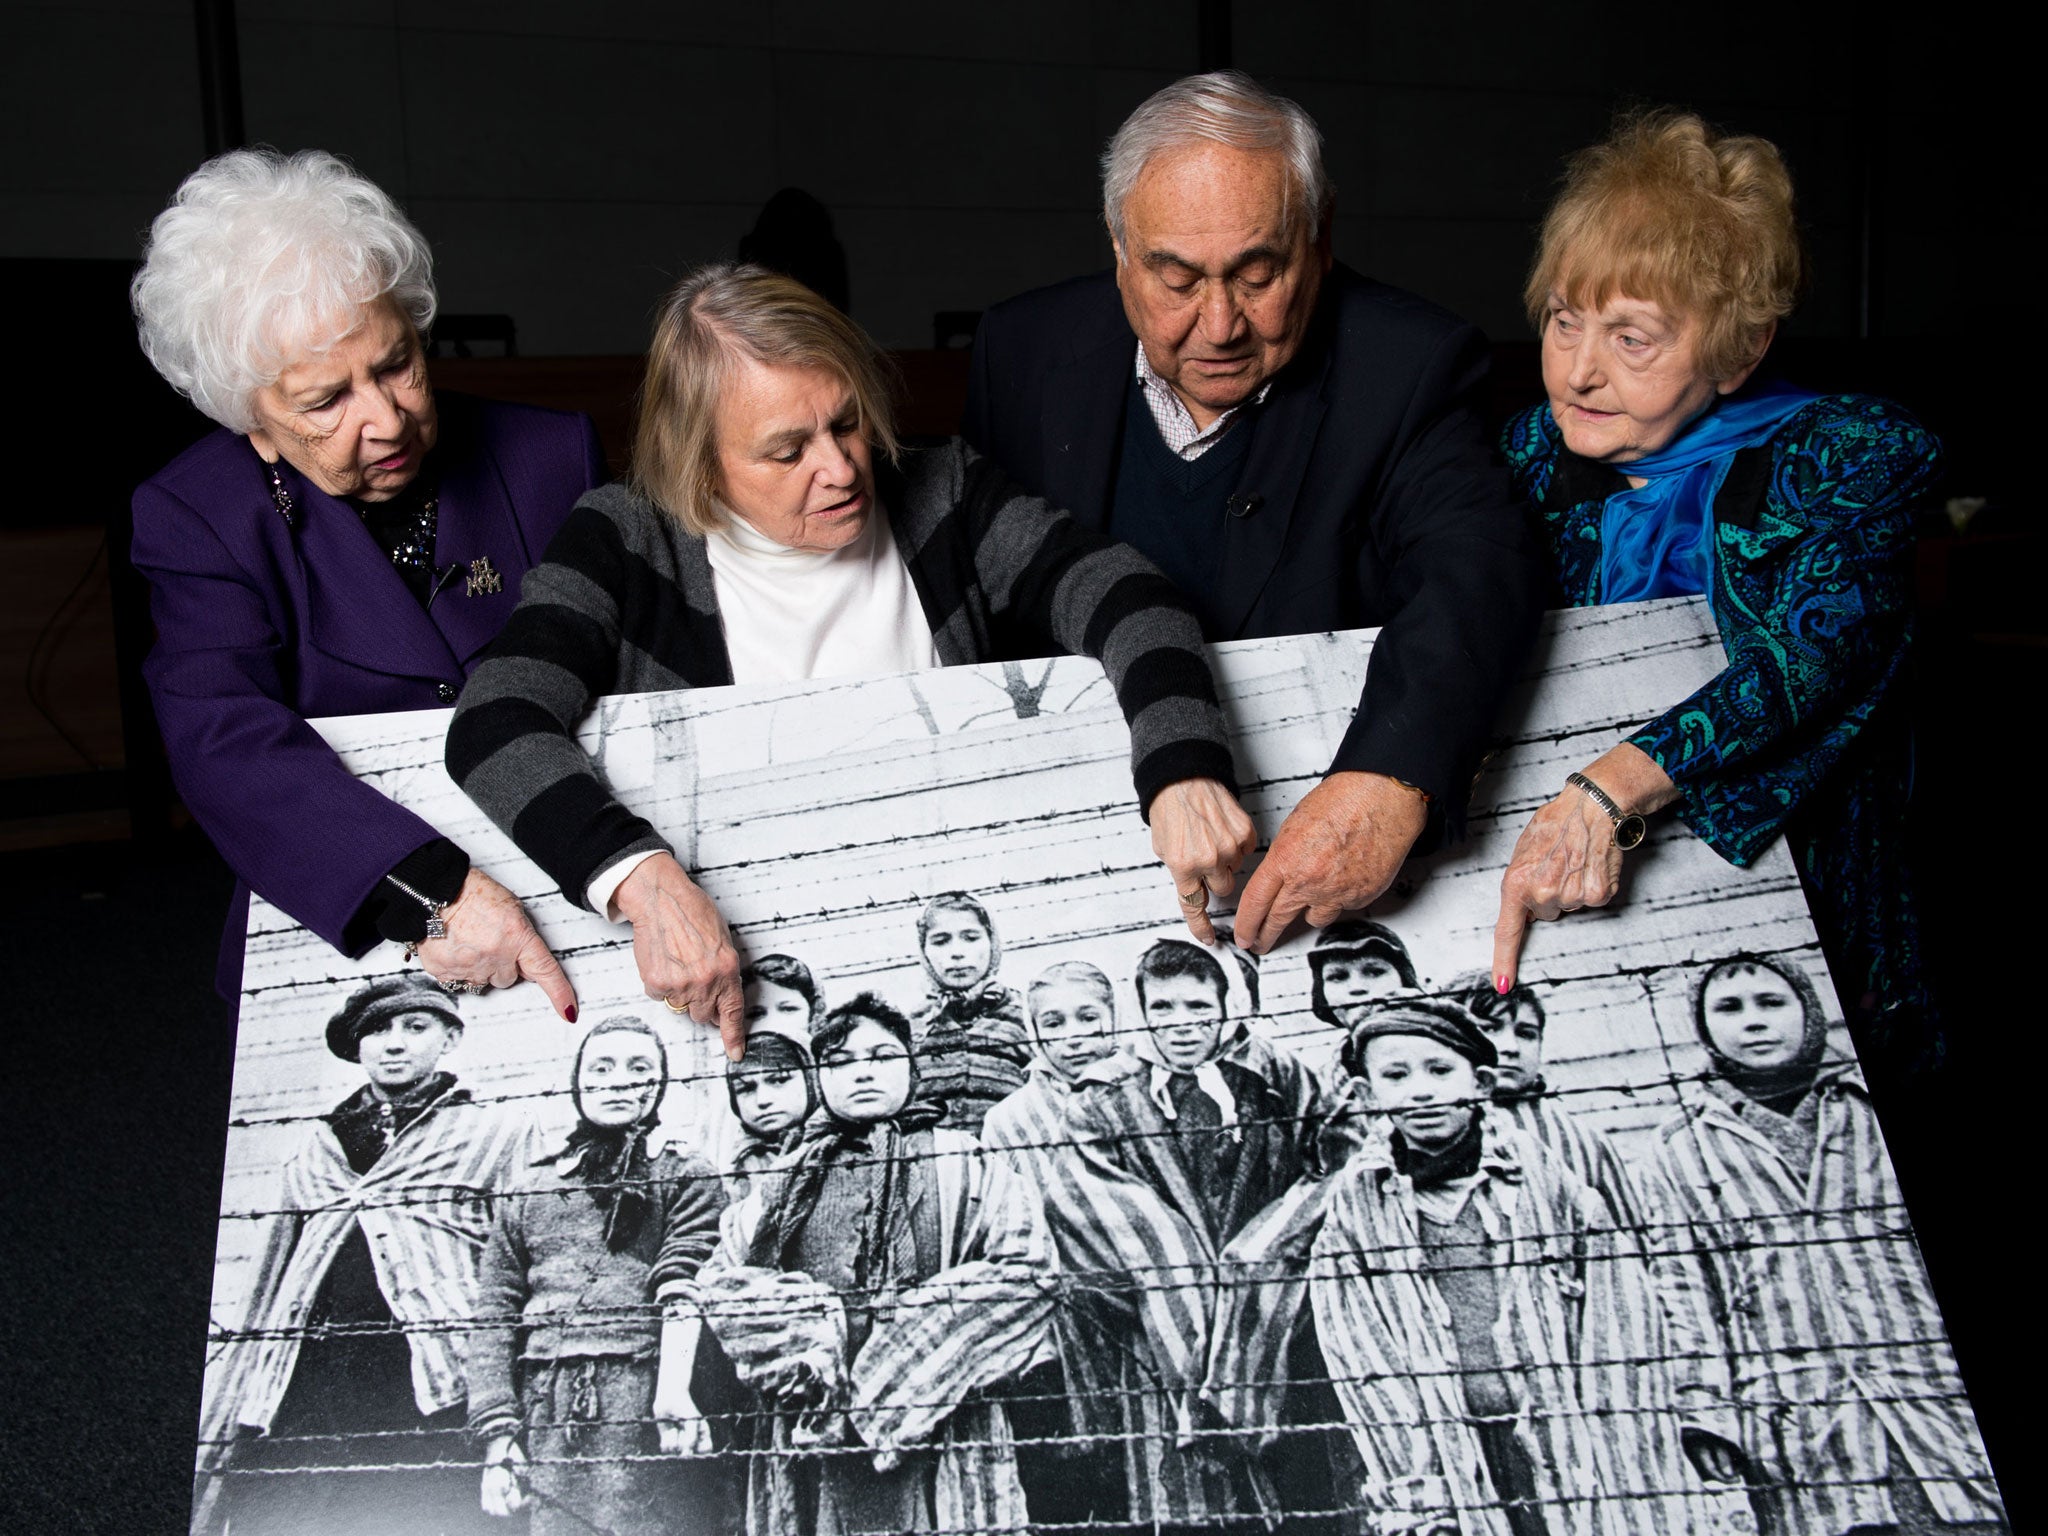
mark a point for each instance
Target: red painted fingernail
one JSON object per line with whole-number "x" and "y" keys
{"x": 569, "y": 1012}
{"x": 1501, "y": 985}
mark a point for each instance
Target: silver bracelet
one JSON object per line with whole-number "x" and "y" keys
{"x": 437, "y": 920}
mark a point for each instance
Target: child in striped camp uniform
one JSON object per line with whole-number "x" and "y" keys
{"x": 351, "y": 1353}
{"x": 1069, "y": 1479}
{"x": 1517, "y": 1025}
{"x": 1170, "y": 1154}
{"x": 1815, "y": 1365}
{"x": 1491, "y": 1334}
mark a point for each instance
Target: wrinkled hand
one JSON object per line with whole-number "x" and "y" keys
{"x": 1202, "y": 836}
{"x": 1565, "y": 858}
{"x": 683, "y": 948}
{"x": 1337, "y": 852}
{"x": 492, "y": 942}
{"x": 504, "y": 1490}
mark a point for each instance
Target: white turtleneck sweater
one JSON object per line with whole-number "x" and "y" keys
{"x": 791, "y": 614}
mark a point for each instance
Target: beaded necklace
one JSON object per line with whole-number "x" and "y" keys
{"x": 411, "y": 542}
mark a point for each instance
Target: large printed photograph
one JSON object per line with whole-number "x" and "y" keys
{"x": 1024, "y": 1211}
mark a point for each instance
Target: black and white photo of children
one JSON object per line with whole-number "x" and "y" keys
{"x": 1036, "y": 1218}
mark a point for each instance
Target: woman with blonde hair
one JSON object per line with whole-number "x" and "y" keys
{"x": 774, "y": 529}
{"x": 1663, "y": 463}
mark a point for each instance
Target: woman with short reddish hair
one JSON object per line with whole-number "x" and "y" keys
{"x": 1665, "y": 462}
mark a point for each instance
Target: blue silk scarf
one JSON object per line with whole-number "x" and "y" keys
{"x": 1657, "y": 541}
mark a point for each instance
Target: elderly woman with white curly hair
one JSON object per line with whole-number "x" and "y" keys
{"x": 344, "y": 544}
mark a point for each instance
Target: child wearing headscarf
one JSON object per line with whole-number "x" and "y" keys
{"x": 870, "y": 1295}
{"x": 1354, "y": 963}
{"x": 1073, "y": 1025}
{"x": 568, "y": 1317}
{"x": 972, "y": 1048}
{"x": 1814, "y": 1364}
{"x": 772, "y": 1089}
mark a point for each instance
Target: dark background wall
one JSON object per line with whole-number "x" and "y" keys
{"x": 567, "y": 159}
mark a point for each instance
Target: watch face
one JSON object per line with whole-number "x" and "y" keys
{"x": 1628, "y": 832}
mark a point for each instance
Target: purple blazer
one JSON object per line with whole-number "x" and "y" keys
{"x": 260, "y": 626}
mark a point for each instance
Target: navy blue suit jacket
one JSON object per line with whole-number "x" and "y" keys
{"x": 1382, "y": 501}
{"x": 261, "y": 627}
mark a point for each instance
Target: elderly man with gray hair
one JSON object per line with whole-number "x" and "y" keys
{"x": 1297, "y": 447}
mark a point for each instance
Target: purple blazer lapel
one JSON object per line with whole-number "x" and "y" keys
{"x": 480, "y": 538}
{"x": 357, "y": 608}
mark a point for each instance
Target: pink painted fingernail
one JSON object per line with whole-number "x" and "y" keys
{"x": 1501, "y": 985}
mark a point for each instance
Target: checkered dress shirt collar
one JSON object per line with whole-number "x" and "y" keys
{"x": 1176, "y": 423}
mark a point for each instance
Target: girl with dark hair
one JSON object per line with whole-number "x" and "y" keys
{"x": 1813, "y": 1363}
{"x": 772, "y": 1088}
{"x": 568, "y": 1314}
{"x": 1352, "y": 965}
{"x": 871, "y": 1295}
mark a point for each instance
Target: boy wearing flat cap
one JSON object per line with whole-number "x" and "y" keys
{"x": 366, "y": 1267}
{"x": 1480, "y": 1314}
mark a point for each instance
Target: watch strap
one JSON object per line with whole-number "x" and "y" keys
{"x": 1628, "y": 827}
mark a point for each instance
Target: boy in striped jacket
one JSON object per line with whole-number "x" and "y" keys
{"x": 1169, "y": 1156}
{"x": 350, "y": 1354}
{"x": 1491, "y": 1334}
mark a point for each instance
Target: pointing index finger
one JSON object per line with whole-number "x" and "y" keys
{"x": 1507, "y": 942}
{"x": 537, "y": 963}
{"x": 1198, "y": 919}
{"x": 732, "y": 1023}
{"x": 1255, "y": 908}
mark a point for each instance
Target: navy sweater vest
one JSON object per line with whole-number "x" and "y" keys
{"x": 1171, "y": 511}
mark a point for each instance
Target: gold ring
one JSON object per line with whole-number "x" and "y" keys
{"x": 673, "y": 1006}
{"x": 1199, "y": 897}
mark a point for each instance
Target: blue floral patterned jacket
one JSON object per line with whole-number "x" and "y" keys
{"x": 1813, "y": 545}
{"x": 1810, "y": 589}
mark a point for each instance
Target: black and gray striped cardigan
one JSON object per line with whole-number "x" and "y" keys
{"x": 623, "y": 603}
